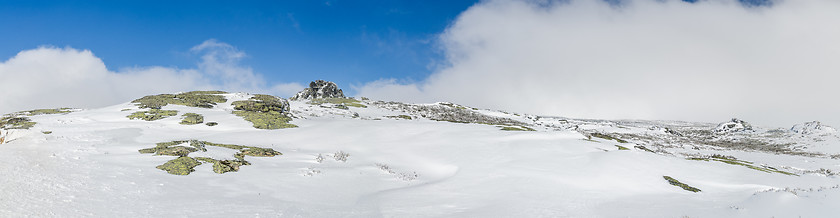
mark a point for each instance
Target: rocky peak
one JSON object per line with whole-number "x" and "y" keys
{"x": 319, "y": 89}
{"x": 813, "y": 128}
{"x": 734, "y": 125}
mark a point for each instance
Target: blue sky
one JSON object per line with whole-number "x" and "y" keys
{"x": 349, "y": 42}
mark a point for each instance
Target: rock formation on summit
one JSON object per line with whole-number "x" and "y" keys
{"x": 813, "y": 128}
{"x": 735, "y": 125}
{"x": 319, "y": 89}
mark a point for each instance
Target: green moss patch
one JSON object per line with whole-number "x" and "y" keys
{"x": 191, "y": 119}
{"x": 339, "y": 101}
{"x": 180, "y": 166}
{"x": 643, "y": 148}
{"x": 177, "y": 148}
{"x": 677, "y": 183}
{"x": 517, "y": 128}
{"x": 607, "y": 137}
{"x": 152, "y": 114}
{"x": 202, "y": 99}
{"x": 211, "y": 124}
{"x": 404, "y": 117}
{"x": 14, "y": 122}
{"x": 621, "y": 148}
{"x": 734, "y": 161}
{"x": 45, "y": 111}
{"x": 264, "y": 111}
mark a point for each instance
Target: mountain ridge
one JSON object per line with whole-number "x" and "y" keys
{"x": 338, "y": 156}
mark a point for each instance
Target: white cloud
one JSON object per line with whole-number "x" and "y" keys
{"x": 644, "y": 59}
{"x": 49, "y": 77}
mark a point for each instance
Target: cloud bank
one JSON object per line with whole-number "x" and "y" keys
{"x": 643, "y": 59}
{"x": 49, "y": 77}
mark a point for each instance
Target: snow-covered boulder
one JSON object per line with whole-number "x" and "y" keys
{"x": 319, "y": 89}
{"x": 813, "y": 128}
{"x": 734, "y": 125}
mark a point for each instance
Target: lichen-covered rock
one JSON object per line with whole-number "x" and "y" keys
{"x": 180, "y": 166}
{"x": 202, "y": 99}
{"x": 264, "y": 111}
{"x": 224, "y": 166}
{"x": 319, "y": 89}
{"x": 14, "y": 122}
{"x": 261, "y": 152}
{"x": 191, "y": 119}
{"x": 734, "y": 125}
{"x": 152, "y": 114}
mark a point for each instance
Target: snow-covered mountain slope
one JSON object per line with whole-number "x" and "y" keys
{"x": 344, "y": 157}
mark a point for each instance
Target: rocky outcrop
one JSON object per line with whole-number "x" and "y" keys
{"x": 319, "y": 89}
{"x": 813, "y": 128}
{"x": 734, "y": 125}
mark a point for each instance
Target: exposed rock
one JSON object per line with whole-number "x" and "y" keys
{"x": 734, "y": 125}
{"x": 813, "y": 128}
{"x": 265, "y": 112}
{"x": 319, "y": 89}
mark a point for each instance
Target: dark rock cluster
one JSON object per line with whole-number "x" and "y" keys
{"x": 319, "y": 89}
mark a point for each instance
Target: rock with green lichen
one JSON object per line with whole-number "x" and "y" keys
{"x": 264, "y": 112}
{"x": 224, "y": 166}
{"x": 14, "y": 122}
{"x": 180, "y": 166}
{"x": 202, "y": 99}
{"x": 152, "y": 114}
{"x": 44, "y": 111}
{"x": 177, "y": 148}
{"x": 260, "y": 152}
{"x": 191, "y": 119}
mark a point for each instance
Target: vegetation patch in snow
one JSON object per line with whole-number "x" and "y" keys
{"x": 607, "y": 137}
{"x": 347, "y": 102}
{"x": 44, "y": 111}
{"x": 180, "y": 166}
{"x": 621, "y": 148}
{"x": 734, "y": 161}
{"x": 514, "y": 128}
{"x": 152, "y": 114}
{"x": 677, "y": 183}
{"x": 265, "y": 112}
{"x": 201, "y": 99}
{"x": 16, "y": 123}
{"x": 211, "y": 123}
{"x": 404, "y": 117}
{"x": 191, "y": 119}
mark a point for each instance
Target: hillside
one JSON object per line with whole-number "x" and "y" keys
{"x": 213, "y": 153}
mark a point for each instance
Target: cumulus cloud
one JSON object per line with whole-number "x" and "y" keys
{"x": 49, "y": 77}
{"x": 644, "y": 59}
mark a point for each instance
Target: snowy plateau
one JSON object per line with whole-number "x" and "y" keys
{"x": 218, "y": 154}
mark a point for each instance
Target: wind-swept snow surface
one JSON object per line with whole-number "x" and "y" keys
{"x": 379, "y": 159}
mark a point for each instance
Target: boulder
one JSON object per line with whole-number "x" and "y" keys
{"x": 319, "y": 89}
